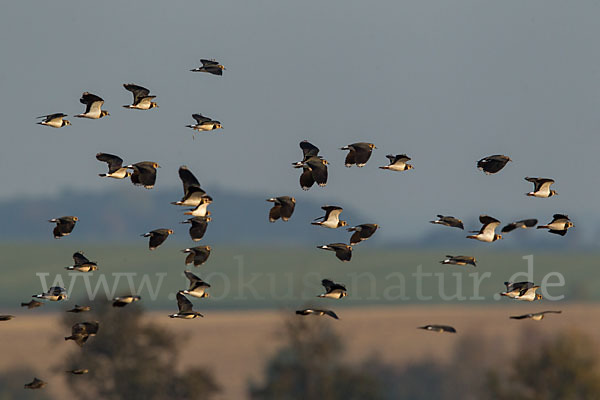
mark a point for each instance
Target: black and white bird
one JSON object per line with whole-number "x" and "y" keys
{"x": 55, "y": 293}
{"x": 64, "y": 225}
{"x": 438, "y": 328}
{"x": 197, "y": 286}
{"x": 317, "y": 312}
{"x": 359, "y": 153}
{"x": 193, "y": 194}
{"x": 141, "y": 97}
{"x": 198, "y": 228}
{"x": 362, "y": 232}
{"x": 522, "y": 224}
{"x": 204, "y": 124}
{"x": 144, "y": 173}
{"x": 82, "y": 331}
{"x": 54, "y": 120}
{"x": 157, "y": 237}
{"x": 79, "y": 309}
{"x": 331, "y": 219}
{"x": 201, "y": 209}
{"x": 122, "y": 301}
{"x": 116, "y": 169}
{"x": 448, "y": 220}
{"x": 93, "y": 106}
{"x": 534, "y": 316}
{"x": 314, "y": 169}
{"x": 333, "y": 290}
{"x": 492, "y": 164}
{"x": 82, "y": 264}
{"x": 541, "y": 187}
{"x": 398, "y": 163}
{"x": 283, "y": 207}
{"x": 32, "y": 304}
{"x": 487, "y": 233}
{"x": 342, "y": 251}
{"x": 196, "y": 255}
{"x": 559, "y": 225}
{"x": 210, "y": 66}
{"x": 521, "y": 291}
{"x": 460, "y": 260}
{"x": 35, "y": 384}
{"x": 185, "y": 308}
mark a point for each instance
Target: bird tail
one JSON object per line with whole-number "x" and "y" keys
{"x": 472, "y": 237}
{"x": 344, "y": 148}
{"x": 316, "y": 223}
{"x": 543, "y": 227}
{"x": 70, "y": 268}
{"x": 103, "y": 175}
{"x": 385, "y": 167}
{"x": 145, "y": 234}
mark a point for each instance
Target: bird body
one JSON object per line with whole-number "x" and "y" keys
{"x": 54, "y": 120}
{"x": 141, "y": 97}
{"x": 342, "y": 251}
{"x": 523, "y": 224}
{"x": 32, "y": 304}
{"x": 559, "y": 225}
{"x": 35, "y": 384}
{"x": 82, "y": 264}
{"x": 535, "y": 316}
{"x": 541, "y": 187}
{"x": 122, "y": 301}
{"x": 362, "y": 232}
{"x": 398, "y": 163}
{"x": 333, "y": 290}
{"x": 204, "y": 124}
{"x": 460, "y": 260}
{"x": 55, "y": 293}
{"x": 521, "y": 291}
{"x": 210, "y": 66}
{"x": 115, "y": 166}
{"x": 201, "y": 209}
{"x": 492, "y": 164}
{"x": 197, "y": 255}
{"x": 185, "y": 308}
{"x": 359, "y": 154}
{"x": 93, "y": 105}
{"x": 82, "y": 331}
{"x": 198, "y": 228}
{"x": 487, "y": 233}
{"x": 64, "y": 226}
{"x": 157, "y": 237}
{"x": 144, "y": 173}
{"x": 197, "y": 286}
{"x": 79, "y": 309}
{"x": 283, "y": 207}
{"x": 448, "y": 220}
{"x": 317, "y": 312}
{"x": 6, "y": 317}
{"x": 331, "y": 218}
{"x": 438, "y": 328}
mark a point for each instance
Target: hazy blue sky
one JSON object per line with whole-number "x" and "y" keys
{"x": 446, "y": 82}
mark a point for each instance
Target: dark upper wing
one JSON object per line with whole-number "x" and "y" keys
{"x": 350, "y": 158}
{"x": 192, "y": 277}
{"x": 367, "y": 230}
{"x": 556, "y": 217}
{"x": 139, "y": 92}
{"x": 486, "y": 220}
{"x": 91, "y": 100}
{"x": 50, "y": 117}
{"x": 188, "y": 179}
{"x": 55, "y": 290}
{"x": 492, "y": 164}
{"x": 200, "y": 119}
{"x": 198, "y": 228}
{"x": 287, "y": 207}
{"x": 114, "y": 162}
{"x": 80, "y": 259}
{"x": 306, "y": 179}
{"x": 183, "y": 303}
{"x": 524, "y": 316}
{"x": 330, "y": 313}
{"x": 318, "y": 171}
{"x": 363, "y": 153}
{"x": 157, "y": 238}
{"x": 308, "y": 149}
{"x": 328, "y": 285}
{"x": 206, "y": 62}
{"x": 144, "y": 175}
{"x": 342, "y": 251}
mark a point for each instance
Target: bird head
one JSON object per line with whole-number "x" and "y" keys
{"x": 206, "y": 295}
{"x": 409, "y": 166}
{"x": 570, "y": 224}
{"x": 222, "y": 67}
{"x": 155, "y": 165}
{"x": 372, "y": 146}
{"x": 343, "y": 223}
{"x": 344, "y": 294}
{"x": 293, "y": 200}
{"x": 66, "y": 122}
{"x": 538, "y": 296}
{"x": 93, "y": 268}
{"x": 62, "y": 296}
{"x": 218, "y": 126}
{"x": 75, "y": 219}
{"x": 170, "y": 231}
{"x": 553, "y": 193}
{"x": 104, "y": 113}
{"x": 208, "y": 219}
{"x": 498, "y": 237}
{"x": 208, "y": 248}
{"x": 153, "y": 105}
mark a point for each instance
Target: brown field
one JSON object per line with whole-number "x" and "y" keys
{"x": 236, "y": 344}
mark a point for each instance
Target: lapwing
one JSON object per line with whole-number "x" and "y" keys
{"x": 64, "y": 226}
{"x": 35, "y": 384}
{"x": 487, "y": 233}
{"x": 144, "y": 173}
{"x": 122, "y": 301}
{"x": 398, "y": 163}
{"x": 438, "y": 328}
{"x": 331, "y": 219}
{"x": 448, "y": 220}
{"x": 314, "y": 169}
{"x": 521, "y": 291}
{"x": 362, "y": 232}
{"x": 116, "y": 169}
{"x": 197, "y": 255}
{"x": 93, "y": 106}
{"x": 198, "y": 228}
{"x": 204, "y": 124}
{"x": 534, "y": 316}
{"x": 81, "y": 371}
{"x": 359, "y": 153}
{"x": 559, "y": 225}
{"x": 197, "y": 286}
{"x": 79, "y": 309}
{"x": 541, "y": 187}
{"x": 333, "y": 290}
{"x": 460, "y": 260}
{"x": 185, "y": 308}
{"x": 210, "y": 66}
{"x": 283, "y": 207}
{"x": 6, "y": 317}
{"x": 193, "y": 194}
{"x": 81, "y": 331}
{"x": 342, "y": 251}
{"x": 492, "y": 164}
{"x": 82, "y": 264}
{"x": 523, "y": 224}
{"x": 54, "y": 120}
{"x": 317, "y": 312}
{"x": 55, "y": 293}
{"x": 141, "y": 97}
{"x": 201, "y": 208}
{"x": 157, "y": 237}
{"x": 32, "y": 304}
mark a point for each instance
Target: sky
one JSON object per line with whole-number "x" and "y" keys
{"x": 446, "y": 82}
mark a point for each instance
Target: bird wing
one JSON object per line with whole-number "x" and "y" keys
{"x": 350, "y": 157}
{"x": 206, "y": 62}
{"x": 306, "y": 178}
{"x": 139, "y": 92}
{"x": 191, "y": 276}
{"x": 200, "y": 119}
{"x": 114, "y": 162}
{"x": 93, "y": 103}
{"x": 308, "y": 149}
{"x": 183, "y": 303}
{"x": 331, "y": 314}
{"x": 80, "y": 259}
{"x": 188, "y": 179}
{"x": 558, "y": 217}
{"x": 401, "y": 158}
{"x": 489, "y": 224}
{"x": 332, "y": 212}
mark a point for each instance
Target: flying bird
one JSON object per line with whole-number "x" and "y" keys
{"x": 193, "y": 194}
{"x": 32, "y": 304}
{"x": 487, "y": 233}
{"x": 35, "y": 384}
{"x": 492, "y": 164}
{"x": 460, "y": 260}
{"x": 333, "y": 290}
{"x": 448, "y": 220}
{"x": 331, "y": 219}
{"x": 78, "y": 371}
{"x": 82, "y": 331}
{"x": 122, "y": 301}
{"x": 197, "y": 255}
{"x": 342, "y": 251}
{"x": 198, "y": 228}
{"x": 438, "y": 328}
{"x": 210, "y": 66}
{"x": 157, "y": 237}
{"x": 318, "y": 312}
{"x": 398, "y": 163}
{"x": 197, "y": 286}
{"x": 541, "y": 187}
{"x": 559, "y": 225}
{"x": 64, "y": 226}
{"x": 144, "y": 173}
{"x": 6, "y": 317}
{"x": 283, "y": 207}
{"x": 79, "y": 309}
{"x": 93, "y": 106}
{"x": 362, "y": 232}
{"x": 55, "y": 293}
{"x": 359, "y": 153}
{"x": 116, "y": 169}
{"x": 523, "y": 224}
{"x": 141, "y": 97}
{"x": 82, "y": 264}
{"x": 534, "y": 316}
{"x": 314, "y": 169}
{"x": 185, "y": 308}
{"x": 204, "y": 124}
{"x": 521, "y": 291}
{"x": 54, "y": 120}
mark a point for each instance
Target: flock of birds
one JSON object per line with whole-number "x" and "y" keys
{"x": 314, "y": 170}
